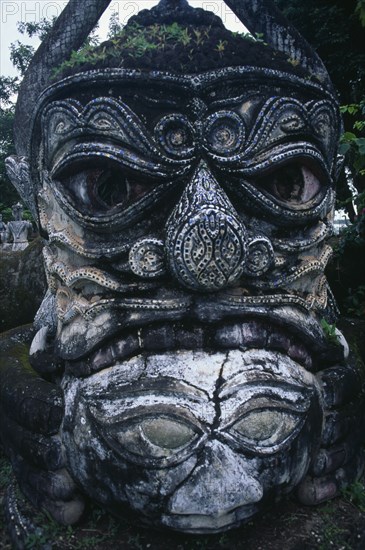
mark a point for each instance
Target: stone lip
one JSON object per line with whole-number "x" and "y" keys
{"x": 270, "y": 332}
{"x": 210, "y": 525}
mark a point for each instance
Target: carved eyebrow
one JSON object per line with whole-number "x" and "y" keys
{"x": 166, "y": 388}
{"x": 132, "y": 397}
{"x": 246, "y": 399}
{"x": 128, "y": 407}
{"x": 258, "y": 388}
{"x": 124, "y": 408}
{"x": 107, "y": 118}
{"x": 84, "y": 153}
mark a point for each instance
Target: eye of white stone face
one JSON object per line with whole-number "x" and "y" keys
{"x": 150, "y": 437}
{"x": 166, "y": 433}
{"x": 267, "y": 427}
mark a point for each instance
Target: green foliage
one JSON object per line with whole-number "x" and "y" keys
{"x": 115, "y": 27}
{"x": 6, "y": 213}
{"x": 335, "y": 32}
{"x": 350, "y": 250}
{"x": 349, "y": 259}
{"x": 20, "y": 55}
{"x": 330, "y": 332}
{"x": 8, "y": 194}
{"x": 332, "y": 534}
{"x": 35, "y": 540}
{"x": 352, "y": 144}
{"x": 47, "y": 530}
{"x": 40, "y": 28}
{"x": 355, "y": 302}
{"x": 360, "y": 11}
{"x": 99, "y": 530}
{"x": 8, "y": 87}
{"x": 221, "y": 46}
{"x": 355, "y": 493}
{"x": 134, "y": 41}
{"x": 354, "y": 235}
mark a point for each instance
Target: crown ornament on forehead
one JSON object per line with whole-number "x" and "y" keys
{"x": 285, "y": 61}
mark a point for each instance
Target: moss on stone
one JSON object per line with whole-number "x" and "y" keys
{"x": 177, "y": 48}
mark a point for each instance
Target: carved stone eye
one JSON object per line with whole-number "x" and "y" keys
{"x": 294, "y": 184}
{"x": 224, "y": 133}
{"x": 110, "y": 186}
{"x": 175, "y": 134}
{"x": 267, "y": 427}
{"x": 99, "y": 189}
{"x": 154, "y": 438}
{"x": 166, "y": 433}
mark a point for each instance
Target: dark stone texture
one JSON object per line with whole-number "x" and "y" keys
{"x": 31, "y": 400}
{"x": 182, "y": 210}
{"x": 22, "y": 285}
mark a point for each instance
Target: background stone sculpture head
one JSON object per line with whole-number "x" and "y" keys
{"x": 17, "y": 210}
{"x": 186, "y": 201}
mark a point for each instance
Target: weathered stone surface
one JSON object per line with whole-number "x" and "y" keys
{"x": 31, "y": 412}
{"x": 197, "y": 428}
{"x": 22, "y": 285}
{"x": 187, "y": 218}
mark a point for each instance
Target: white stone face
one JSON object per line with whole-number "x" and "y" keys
{"x": 189, "y": 440}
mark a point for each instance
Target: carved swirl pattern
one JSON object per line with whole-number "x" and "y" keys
{"x": 260, "y": 257}
{"x": 175, "y": 135}
{"x": 224, "y": 132}
{"x": 146, "y": 258}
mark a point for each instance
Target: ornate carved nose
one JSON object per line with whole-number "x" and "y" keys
{"x": 206, "y": 241}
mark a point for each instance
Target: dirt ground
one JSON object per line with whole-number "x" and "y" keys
{"x": 338, "y": 524}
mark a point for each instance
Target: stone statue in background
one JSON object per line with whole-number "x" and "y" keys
{"x": 18, "y": 229}
{"x": 3, "y": 232}
{"x": 182, "y": 368}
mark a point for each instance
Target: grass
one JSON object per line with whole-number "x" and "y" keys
{"x": 355, "y": 494}
{"x": 332, "y": 534}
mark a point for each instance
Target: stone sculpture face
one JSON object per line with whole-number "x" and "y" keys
{"x": 194, "y": 441}
{"x": 214, "y": 207}
{"x": 186, "y": 219}
{"x": 177, "y": 234}
{"x": 17, "y": 210}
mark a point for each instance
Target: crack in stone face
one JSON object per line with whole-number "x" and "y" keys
{"x": 216, "y": 399}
